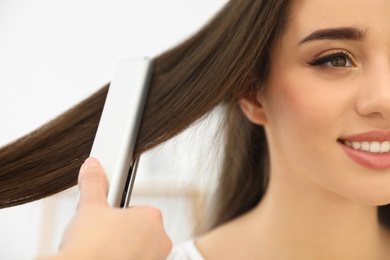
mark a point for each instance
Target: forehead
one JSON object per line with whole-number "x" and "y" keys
{"x": 309, "y": 15}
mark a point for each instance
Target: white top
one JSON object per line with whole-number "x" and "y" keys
{"x": 186, "y": 251}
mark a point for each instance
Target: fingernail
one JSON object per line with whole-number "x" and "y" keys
{"x": 90, "y": 162}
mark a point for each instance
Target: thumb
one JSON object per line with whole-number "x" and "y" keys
{"x": 93, "y": 184}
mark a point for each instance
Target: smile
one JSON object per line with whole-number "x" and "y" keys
{"x": 374, "y": 154}
{"x": 372, "y": 147}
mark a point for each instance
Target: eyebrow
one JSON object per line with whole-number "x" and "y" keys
{"x": 344, "y": 33}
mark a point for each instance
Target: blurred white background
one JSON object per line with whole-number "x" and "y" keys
{"x": 55, "y": 53}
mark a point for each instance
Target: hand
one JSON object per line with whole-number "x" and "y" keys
{"x": 100, "y": 232}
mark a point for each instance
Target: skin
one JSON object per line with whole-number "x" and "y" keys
{"x": 320, "y": 203}
{"x": 100, "y": 232}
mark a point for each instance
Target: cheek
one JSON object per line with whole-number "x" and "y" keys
{"x": 298, "y": 110}
{"x": 305, "y": 118}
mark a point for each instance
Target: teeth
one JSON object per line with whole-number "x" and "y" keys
{"x": 385, "y": 147}
{"x": 356, "y": 145}
{"x": 365, "y": 146}
{"x": 373, "y": 147}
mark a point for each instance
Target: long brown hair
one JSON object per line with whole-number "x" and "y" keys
{"x": 222, "y": 63}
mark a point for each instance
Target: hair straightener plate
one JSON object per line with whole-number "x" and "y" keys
{"x": 118, "y": 127}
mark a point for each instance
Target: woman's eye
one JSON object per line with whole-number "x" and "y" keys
{"x": 337, "y": 60}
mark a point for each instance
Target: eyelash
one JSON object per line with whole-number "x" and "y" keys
{"x": 318, "y": 61}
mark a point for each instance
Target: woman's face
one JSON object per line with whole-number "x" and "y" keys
{"x": 327, "y": 98}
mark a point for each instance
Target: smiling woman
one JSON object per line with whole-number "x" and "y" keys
{"x": 305, "y": 87}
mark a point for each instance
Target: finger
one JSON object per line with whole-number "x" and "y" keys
{"x": 93, "y": 183}
{"x": 154, "y": 220}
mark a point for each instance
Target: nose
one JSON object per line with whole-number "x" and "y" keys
{"x": 374, "y": 95}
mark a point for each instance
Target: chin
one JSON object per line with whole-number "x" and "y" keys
{"x": 374, "y": 199}
{"x": 365, "y": 186}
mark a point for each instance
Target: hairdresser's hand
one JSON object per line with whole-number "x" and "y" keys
{"x": 100, "y": 232}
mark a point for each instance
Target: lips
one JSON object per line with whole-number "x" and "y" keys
{"x": 370, "y": 149}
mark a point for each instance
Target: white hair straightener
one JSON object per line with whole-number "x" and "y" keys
{"x": 118, "y": 127}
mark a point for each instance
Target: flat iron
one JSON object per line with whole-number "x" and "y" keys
{"x": 118, "y": 128}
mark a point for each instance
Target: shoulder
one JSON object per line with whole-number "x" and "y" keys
{"x": 185, "y": 251}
